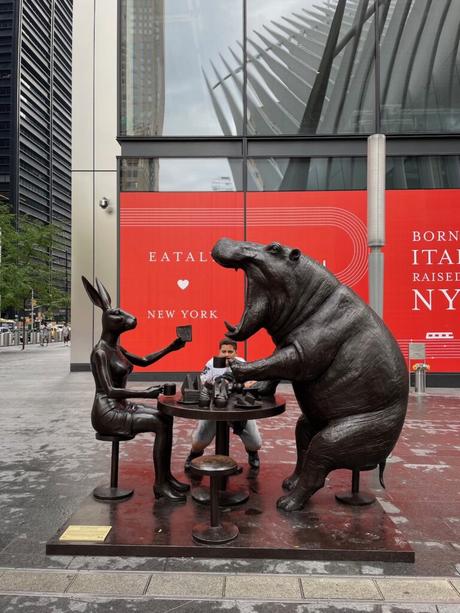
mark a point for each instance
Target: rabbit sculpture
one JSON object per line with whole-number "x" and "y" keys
{"x": 113, "y": 413}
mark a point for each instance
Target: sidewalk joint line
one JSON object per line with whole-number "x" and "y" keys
{"x": 455, "y": 588}
{"x": 146, "y": 587}
{"x": 302, "y": 593}
{"x": 71, "y": 582}
{"x": 376, "y": 583}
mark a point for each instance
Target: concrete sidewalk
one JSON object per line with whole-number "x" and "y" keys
{"x": 51, "y": 461}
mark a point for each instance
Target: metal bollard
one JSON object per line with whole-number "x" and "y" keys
{"x": 420, "y": 379}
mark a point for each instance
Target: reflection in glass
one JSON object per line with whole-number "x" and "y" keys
{"x": 170, "y": 53}
{"x": 420, "y": 82}
{"x": 310, "y": 67}
{"x": 180, "y": 175}
{"x": 318, "y": 174}
{"x": 427, "y": 172}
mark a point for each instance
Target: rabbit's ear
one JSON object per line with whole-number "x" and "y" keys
{"x": 93, "y": 294}
{"x": 104, "y": 294}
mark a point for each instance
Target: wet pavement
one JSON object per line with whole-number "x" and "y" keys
{"x": 51, "y": 462}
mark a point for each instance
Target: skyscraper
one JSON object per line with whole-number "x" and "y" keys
{"x": 35, "y": 112}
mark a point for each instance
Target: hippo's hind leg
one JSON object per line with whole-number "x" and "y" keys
{"x": 311, "y": 479}
{"x": 349, "y": 442}
{"x": 304, "y": 432}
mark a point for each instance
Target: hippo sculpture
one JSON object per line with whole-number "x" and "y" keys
{"x": 347, "y": 371}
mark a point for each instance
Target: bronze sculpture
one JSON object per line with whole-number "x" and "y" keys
{"x": 112, "y": 411}
{"x": 348, "y": 374}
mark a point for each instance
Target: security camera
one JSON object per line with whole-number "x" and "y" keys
{"x": 104, "y": 202}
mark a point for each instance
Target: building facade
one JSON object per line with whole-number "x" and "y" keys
{"x": 35, "y": 114}
{"x": 250, "y": 118}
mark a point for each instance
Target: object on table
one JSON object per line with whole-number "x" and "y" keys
{"x": 219, "y": 361}
{"x": 248, "y": 401}
{"x": 204, "y": 400}
{"x": 191, "y": 388}
{"x": 221, "y": 392}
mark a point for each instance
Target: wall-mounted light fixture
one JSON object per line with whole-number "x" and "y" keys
{"x": 104, "y": 202}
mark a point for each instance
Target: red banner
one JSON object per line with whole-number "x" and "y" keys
{"x": 327, "y": 226}
{"x": 168, "y": 277}
{"x": 422, "y": 273}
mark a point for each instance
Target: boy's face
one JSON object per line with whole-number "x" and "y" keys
{"x": 227, "y": 351}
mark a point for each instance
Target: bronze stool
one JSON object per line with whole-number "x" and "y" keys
{"x": 112, "y": 492}
{"x": 215, "y": 466}
{"x": 355, "y": 497}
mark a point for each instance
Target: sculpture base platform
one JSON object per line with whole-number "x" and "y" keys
{"x": 324, "y": 530}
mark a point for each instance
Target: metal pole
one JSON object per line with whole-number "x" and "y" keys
{"x": 66, "y": 288}
{"x": 24, "y": 327}
{"x": 376, "y": 225}
{"x": 376, "y": 218}
{"x": 32, "y": 311}
{"x": 0, "y": 266}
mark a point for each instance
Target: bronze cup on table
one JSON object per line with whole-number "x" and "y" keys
{"x": 169, "y": 389}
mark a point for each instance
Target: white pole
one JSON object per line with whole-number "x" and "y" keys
{"x": 376, "y": 218}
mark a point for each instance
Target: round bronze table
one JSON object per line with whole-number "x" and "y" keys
{"x": 266, "y": 407}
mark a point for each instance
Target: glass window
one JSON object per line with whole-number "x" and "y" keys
{"x": 420, "y": 79}
{"x": 328, "y": 174}
{"x": 181, "y": 175}
{"x": 174, "y": 80}
{"x": 310, "y": 67}
{"x": 300, "y": 174}
{"x": 427, "y": 172}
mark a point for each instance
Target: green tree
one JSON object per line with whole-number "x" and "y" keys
{"x": 26, "y": 264}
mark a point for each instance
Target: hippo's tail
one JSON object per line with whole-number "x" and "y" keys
{"x": 381, "y": 469}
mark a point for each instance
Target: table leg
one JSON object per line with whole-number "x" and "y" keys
{"x": 222, "y": 438}
{"x": 222, "y": 447}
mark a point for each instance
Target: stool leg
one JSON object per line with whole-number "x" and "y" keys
{"x": 355, "y": 497}
{"x": 114, "y": 466}
{"x": 216, "y": 532}
{"x": 112, "y": 492}
{"x": 355, "y": 481}
{"x": 222, "y": 448}
{"x": 214, "y": 502}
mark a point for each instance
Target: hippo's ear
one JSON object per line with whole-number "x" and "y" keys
{"x": 295, "y": 255}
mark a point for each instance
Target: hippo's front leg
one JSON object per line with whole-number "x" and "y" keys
{"x": 283, "y": 364}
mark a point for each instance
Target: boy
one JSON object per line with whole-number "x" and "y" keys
{"x": 206, "y": 429}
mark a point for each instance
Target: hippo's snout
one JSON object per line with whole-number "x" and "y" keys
{"x": 228, "y": 253}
